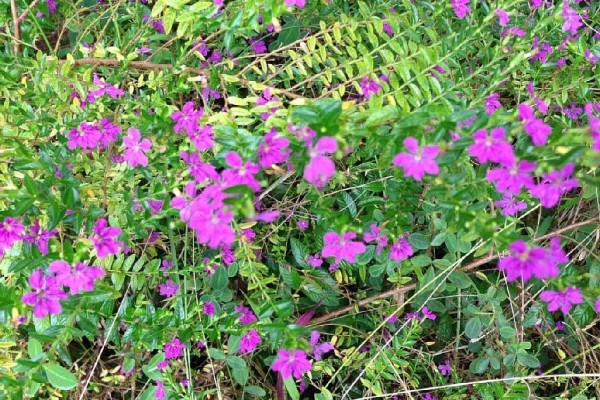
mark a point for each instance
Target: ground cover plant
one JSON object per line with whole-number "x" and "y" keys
{"x": 299, "y": 199}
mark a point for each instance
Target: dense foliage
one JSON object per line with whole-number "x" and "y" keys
{"x": 299, "y": 199}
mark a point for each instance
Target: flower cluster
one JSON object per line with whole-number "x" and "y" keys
{"x": 526, "y": 262}
{"x": 98, "y": 135}
{"x": 11, "y": 231}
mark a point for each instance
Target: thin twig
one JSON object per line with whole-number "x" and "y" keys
{"x": 24, "y": 15}
{"x": 400, "y": 290}
{"x": 16, "y": 26}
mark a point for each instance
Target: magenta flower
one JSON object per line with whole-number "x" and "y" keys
{"x": 202, "y": 138}
{"x": 492, "y": 147}
{"x": 555, "y": 184}
{"x": 492, "y": 103}
{"x": 104, "y": 239}
{"x": 534, "y": 127}
{"x": 526, "y": 263}
{"x": 187, "y": 118}
{"x": 445, "y": 368}
{"x": 563, "y": 300}
{"x": 292, "y": 3}
{"x": 45, "y": 295}
{"x": 319, "y": 349}
{"x": 199, "y": 170}
{"x": 461, "y": 7}
{"x": 379, "y": 238}
{"x": 503, "y": 18}
{"x": 168, "y": 289}
{"x": 159, "y": 394}
{"x": 135, "y": 150}
{"x": 103, "y": 89}
{"x": 108, "y": 132}
{"x": 51, "y": 6}
{"x": 342, "y": 247}
{"x": 513, "y": 31}
{"x": 249, "y": 342}
{"x": 510, "y": 205}
{"x": 258, "y": 46}
{"x": 10, "y": 231}
{"x": 173, "y": 349}
{"x": 401, "y": 250}
{"x": 291, "y": 363}
{"x": 208, "y": 308}
{"x": 274, "y": 150}
{"x": 79, "y": 278}
{"x": 240, "y": 173}
{"x": 387, "y": 28}
{"x": 86, "y": 136}
{"x": 38, "y": 236}
{"x": 320, "y": 168}
{"x": 302, "y": 224}
{"x": 597, "y": 305}
{"x": 572, "y": 20}
{"x": 369, "y": 86}
{"x": 314, "y": 261}
{"x": 418, "y": 161}
{"x": 246, "y": 315}
{"x": 512, "y": 179}
{"x": 428, "y": 314}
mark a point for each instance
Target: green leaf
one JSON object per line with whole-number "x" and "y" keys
{"x": 299, "y": 252}
{"x": 479, "y": 365}
{"x": 419, "y": 241}
{"x": 255, "y": 391}
{"x": 60, "y": 377}
{"x": 219, "y": 280}
{"x": 528, "y": 360}
{"x": 290, "y": 386}
{"x": 216, "y": 354}
{"x": 473, "y": 328}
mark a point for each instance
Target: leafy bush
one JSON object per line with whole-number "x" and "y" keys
{"x": 303, "y": 199}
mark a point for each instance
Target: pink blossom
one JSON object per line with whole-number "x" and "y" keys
{"x": 202, "y": 138}
{"x": 246, "y": 315}
{"x": 369, "y": 86}
{"x": 342, "y": 247}
{"x": 379, "y": 238}
{"x": 314, "y": 261}
{"x": 554, "y": 184}
{"x": 534, "y": 127}
{"x": 503, "y": 18}
{"x": 418, "y": 161}
{"x": 199, "y": 170}
{"x": 240, "y": 173}
{"x": 302, "y": 224}
{"x": 291, "y": 363}
{"x": 135, "y": 150}
{"x": 597, "y": 305}
{"x": 319, "y": 349}
{"x": 104, "y": 238}
{"x": 103, "y": 89}
{"x": 78, "y": 278}
{"x": 563, "y": 300}
{"x": 292, "y": 3}
{"x": 173, "y": 349}
{"x": 492, "y": 103}
{"x": 526, "y": 263}
{"x": 168, "y": 289}
{"x": 249, "y": 342}
{"x": 572, "y": 20}
{"x": 320, "y": 168}
{"x": 208, "y": 308}
{"x": 45, "y": 295}
{"x": 10, "y": 231}
{"x": 274, "y": 150}
{"x": 492, "y": 147}
{"x": 187, "y": 118}
{"x": 401, "y": 250}
{"x": 38, "y": 236}
{"x": 159, "y": 394}
{"x": 86, "y": 136}
{"x": 461, "y": 7}
{"x": 512, "y": 179}
{"x": 510, "y": 205}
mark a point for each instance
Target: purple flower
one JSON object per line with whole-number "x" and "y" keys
{"x": 418, "y": 161}
{"x": 258, "y": 46}
{"x": 274, "y": 150}
{"x": 401, "y": 250}
{"x": 503, "y": 18}
{"x": 554, "y": 184}
{"x": 240, "y": 173}
{"x": 573, "y": 111}
{"x": 159, "y": 394}
{"x": 375, "y": 235}
{"x": 249, "y": 342}
{"x": 155, "y": 206}
{"x": 445, "y": 368}
{"x": 202, "y": 138}
{"x": 187, "y": 118}
{"x": 572, "y": 20}
{"x": 302, "y": 224}
{"x": 103, "y": 89}
{"x": 597, "y": 305}
{"x": 51, "y": 6}
{"x": 510, "y": 205}
{"x": 534, "y": 127}
{"x": 209, "y": 217}
{"x": 512, "y": 179}
{"x": 560, "y": 326}
{"x": 246, "y": 315}
{"x": 86, "y": 136}
{"x": 165, "y": 265}
{"x": 208, "y": 308}
{"x": 168, "y": 289}
{"x": 10, "y": 231}
{"x": 173, "y": 349}
{"x": 492, "y": 147}
{"x": 342, "y": 247}
{"x": 314, "y": 261}
{"x": 368, "y": 87}
{"x": 513, "y": 31}
{"x": 563, "y": 300}
{"x": 199, "y": 170}
{"x": 320, "y": 168}
{"x": 292, "y": 3}
{"x": 526, "y": 263}
{"x": 428, "y": 314}
{"x": 492, "y": 103}
{"x": 429, "y": 396}
{"x": 135, "y": 150}
{"x": 461, "y": 7}
{"x": 79, "y": 278}
{"x": 387, "y": 28}
{"x": 39, "y": 237}
{"x": 291, "y": 363}
{"x": 104, "y": 238}
{"x": 319, "y": 349}
{"x": 45, "y": 295}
